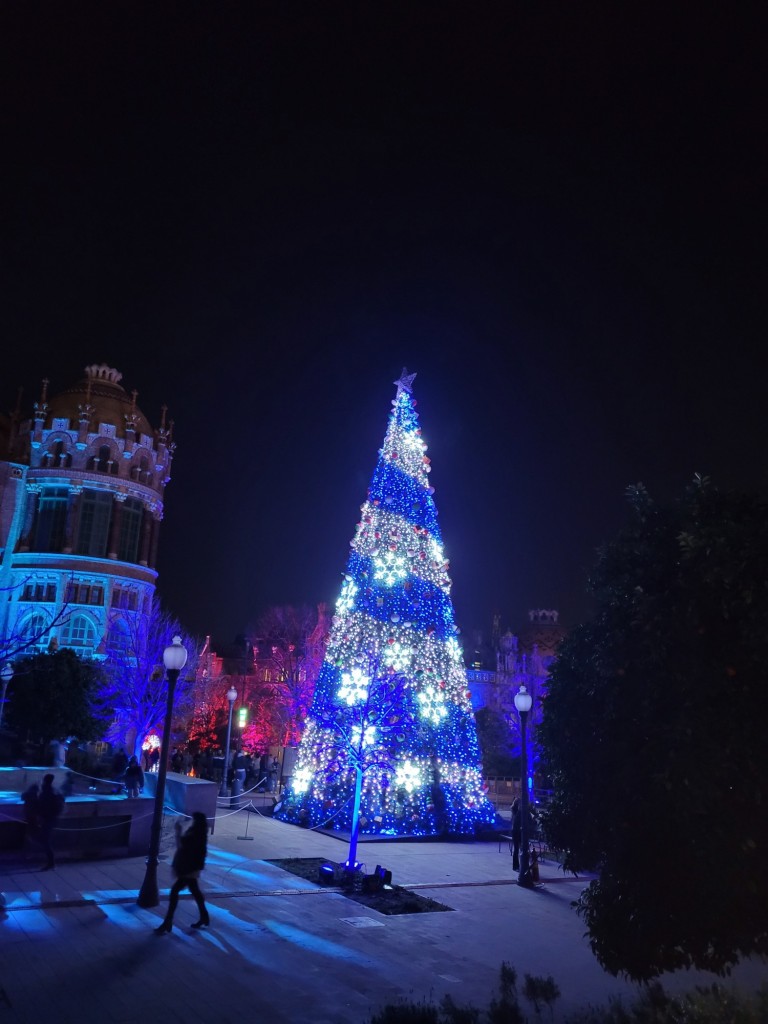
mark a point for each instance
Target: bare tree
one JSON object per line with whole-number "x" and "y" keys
{"x": 28, "y": 631}
{"x": 289, "y": 655}
{"x": 136, "y": 680}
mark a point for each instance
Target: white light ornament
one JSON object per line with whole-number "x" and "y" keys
{"x": 453, "y": 648}
{"x": 432, "y": 704}
{"x": 301, "y": 779}
{"x": 354, "y": 687}
{"x": 363, "y": 739}
{"x": 389, "y": 568}
{"x": 346, "y": 599}
{"x": 398, "y": 657}
{"x": 408, "y": 777}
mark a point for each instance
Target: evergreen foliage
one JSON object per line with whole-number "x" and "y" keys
{"x": 54, "y": 696}
{"x": 654, "y": 734}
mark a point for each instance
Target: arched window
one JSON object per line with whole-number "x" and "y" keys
{"x": 119, "y": 641}
{"x": 103, "y": 462}
{"x": 36, "y": 631}
{"x": 79, "y": 632}
{"x": 141, "y": 470}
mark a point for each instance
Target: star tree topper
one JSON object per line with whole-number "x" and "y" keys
{"x": 406, "y": 381}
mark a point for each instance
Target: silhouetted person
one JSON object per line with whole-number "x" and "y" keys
{"x": 188, "y": 863}
{"x": 134, "y": 777}
{"x": 50, "y": 804}
{"x": 274, "y": 771}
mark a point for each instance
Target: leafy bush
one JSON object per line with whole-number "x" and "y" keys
{"x": 713, "y": 1005}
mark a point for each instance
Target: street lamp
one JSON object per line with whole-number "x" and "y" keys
{"x": 6, "y": 675}
{"x": 231, "y": 697}
{"x": 523, "y": 702}
{"x": 174, "y": 659}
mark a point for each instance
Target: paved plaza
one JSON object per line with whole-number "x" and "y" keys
{"x": 74, "y": 946}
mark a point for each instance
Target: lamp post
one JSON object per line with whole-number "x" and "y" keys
{"x": 523, "y": 702}
{"x": 6, "y": 675}
{"x": 231, "y": 697}
{"x": 174, "y": 659}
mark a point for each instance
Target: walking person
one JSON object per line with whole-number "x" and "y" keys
{"x": 134, "y": 777}
{"x": 50, "y": 804}
{"x": 188, "y": 863}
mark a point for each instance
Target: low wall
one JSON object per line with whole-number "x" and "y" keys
{"x": 16, "y": 780}
{"x": 89, "y": 826}
{"x": 186, "y": 794}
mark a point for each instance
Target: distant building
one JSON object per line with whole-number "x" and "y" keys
{"x": 81, "y": 502}
{"x": 496, "y": 668}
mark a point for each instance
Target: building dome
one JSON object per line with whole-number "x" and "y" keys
{"x": 109, "y": 402}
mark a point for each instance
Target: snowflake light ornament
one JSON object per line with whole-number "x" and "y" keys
{"x": 453, "y": 649}
{"x": 398, "y": 657}
{"x": 389, "y": 568}
{"x": 436, "y": 550}
{"x": 408, "y": 777}
{"x": 432, "y": 704}
{"x": 368, "y": 737}
{"x": 354, "y": 687}
{"x": 346, "y": 599}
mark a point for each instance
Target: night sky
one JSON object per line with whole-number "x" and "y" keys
{"x": 260, "y": 212}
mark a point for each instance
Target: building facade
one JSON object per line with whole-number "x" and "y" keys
{"x": 82, "y": 481}
{"x": 496, "y": 670}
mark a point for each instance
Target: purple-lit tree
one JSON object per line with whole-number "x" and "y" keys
{"x": 136, "y": 680}
{"x": 394, "y": 617}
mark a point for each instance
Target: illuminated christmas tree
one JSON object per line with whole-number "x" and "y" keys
{"x": 390, "y": 744}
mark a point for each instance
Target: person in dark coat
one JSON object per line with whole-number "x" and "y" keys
{"x": 50, "y": 804}
{"x": 134, "y": 777}
{"x": 188, "y": 863}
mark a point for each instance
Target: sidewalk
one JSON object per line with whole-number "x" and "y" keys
{"x": 74, "y": 946}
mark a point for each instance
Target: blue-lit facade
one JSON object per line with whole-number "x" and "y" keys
{"x": 81, "y": 502}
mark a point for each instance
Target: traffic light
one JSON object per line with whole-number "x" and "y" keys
{"x": 242, "y": 717}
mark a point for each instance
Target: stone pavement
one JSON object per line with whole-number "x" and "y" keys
{"x": 74, "y": 946}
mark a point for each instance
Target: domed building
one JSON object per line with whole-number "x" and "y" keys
{"x": 81, "y": 503}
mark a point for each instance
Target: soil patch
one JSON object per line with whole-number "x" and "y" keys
{"x": 390, "y": 900}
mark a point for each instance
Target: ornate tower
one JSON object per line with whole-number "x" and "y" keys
{"x": 81, "y": 501}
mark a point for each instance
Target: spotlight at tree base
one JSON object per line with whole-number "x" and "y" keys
{"x": 390, "y": 743}
{"x": 174, "y": 658}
